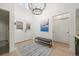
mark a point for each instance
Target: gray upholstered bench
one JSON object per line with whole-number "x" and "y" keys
{"x": 44, "y": 40}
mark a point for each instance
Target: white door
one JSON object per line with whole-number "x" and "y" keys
{"x": 61, "y": 30}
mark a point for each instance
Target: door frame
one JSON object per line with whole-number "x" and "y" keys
{"x": 60, "y": 18}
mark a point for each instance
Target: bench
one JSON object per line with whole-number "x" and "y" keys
{"x": 44, "y": 40}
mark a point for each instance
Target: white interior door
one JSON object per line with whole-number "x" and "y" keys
{"x": 61, "y": 30}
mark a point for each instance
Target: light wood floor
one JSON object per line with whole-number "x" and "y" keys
{"x": 58, "y": 49}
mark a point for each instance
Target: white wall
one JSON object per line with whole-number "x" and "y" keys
{"x": 24, "y": 15}
{"x": 10, "y": 8}
{"x": 17, "y": 13}
{"x": 38, "y": 19}
{"x": 51, "y": 10}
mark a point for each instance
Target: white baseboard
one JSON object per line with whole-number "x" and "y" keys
{"x": 22, "y": 40}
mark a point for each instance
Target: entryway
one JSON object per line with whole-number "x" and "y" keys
{"x": 4, "y": 31}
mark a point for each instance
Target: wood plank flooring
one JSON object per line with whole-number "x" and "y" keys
{"x": 58, "y": 49}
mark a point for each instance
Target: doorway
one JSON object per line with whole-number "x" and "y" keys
{"x": 61, "y": 28}
{"x": 4, "y": 31}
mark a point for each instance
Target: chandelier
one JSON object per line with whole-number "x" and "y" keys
{"x": 37, "y": 8}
